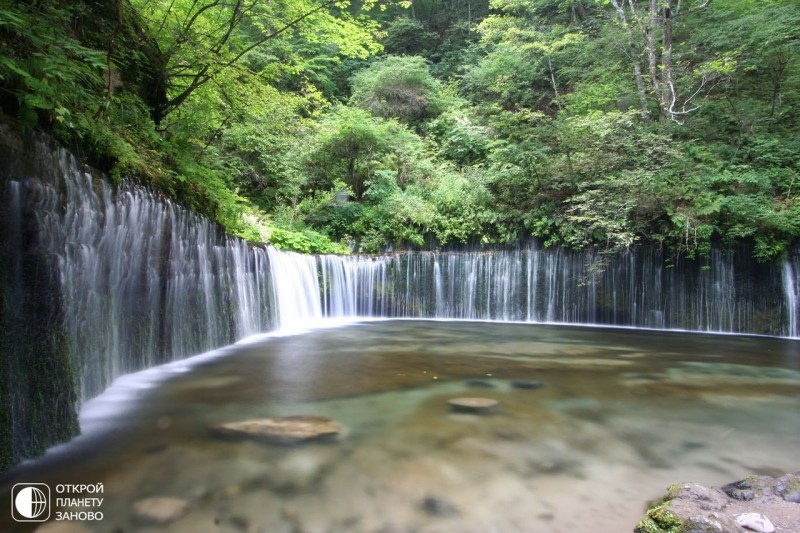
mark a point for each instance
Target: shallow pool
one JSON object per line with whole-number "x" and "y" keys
{"x": 592, "y": 424}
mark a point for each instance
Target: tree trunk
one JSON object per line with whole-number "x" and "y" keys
{"x": 657, "y": 20}
{"x": 634, "y": 54}
{"x": 650, "y": 45}
{"x": 640, "y": 89}
{"x": 668, "y": 95}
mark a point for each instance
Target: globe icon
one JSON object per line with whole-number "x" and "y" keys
{"x": 31, "y": 502}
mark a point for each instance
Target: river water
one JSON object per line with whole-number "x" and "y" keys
{"x": 619, "y": 416}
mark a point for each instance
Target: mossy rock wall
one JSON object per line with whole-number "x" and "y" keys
{"x": 37, "y": 382}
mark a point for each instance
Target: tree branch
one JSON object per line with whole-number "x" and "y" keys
{"x": 701, "y": 7}
{"x": 203, "y": 75}
{"x": 236, "y": 18}
{"x": 288, "y": 26}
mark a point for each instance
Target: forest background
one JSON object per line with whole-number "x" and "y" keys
{"x": 368, "y": 125}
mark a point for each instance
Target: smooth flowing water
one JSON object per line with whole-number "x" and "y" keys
{"x": 619, "y": 416}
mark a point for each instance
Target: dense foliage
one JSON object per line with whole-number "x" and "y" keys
{"x": 323, "y": 126}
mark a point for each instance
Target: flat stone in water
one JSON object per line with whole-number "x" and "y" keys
{"x": 480, "y": 384}
{"x": 473, "y": 405}
{"x": 160, "y": 510}
{"x": 282, "y": 429}
{"x": 529, "y": 385}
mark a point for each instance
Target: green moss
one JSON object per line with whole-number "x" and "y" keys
{"x": 659, "y": 519}
{"x": 793, "y": 485}
{"x": 37, "y": 378}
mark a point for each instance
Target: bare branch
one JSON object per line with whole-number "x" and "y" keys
{"x": 701, "y": 7}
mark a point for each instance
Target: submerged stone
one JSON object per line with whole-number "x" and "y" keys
{"x": 528, "y": 385}
{"x": 438, "y": 506}
{"x": 300, "y": 469}
{"x": 480, "y": 384}
{"x": 282, "y": 429}
{"x": 474, "y": 405}
{"x": 63, "y": 527}
{"x": 159, "y": 510}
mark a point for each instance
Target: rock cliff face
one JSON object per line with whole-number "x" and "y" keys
{"x": 758, "y": 503}
{"x": 37, "y": 385}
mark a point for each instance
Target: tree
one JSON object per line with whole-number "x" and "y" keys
{"x": 203, "y": 40}
{"x": 353, "y": 147}
{"x": 654, "y": 20}
{"x": 405, "y": 36}
{"x": 400, "y": 87}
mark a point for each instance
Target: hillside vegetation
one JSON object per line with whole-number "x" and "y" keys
{"x": 360, "y": 125}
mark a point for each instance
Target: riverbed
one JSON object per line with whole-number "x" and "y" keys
{"x": 592, "y": 424}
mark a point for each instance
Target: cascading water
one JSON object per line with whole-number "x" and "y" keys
{"x": 143, "y": 281}
{"x": 791, "y": 288}
{"x": 297, "y": 290}
{"x": 528, "y": 284}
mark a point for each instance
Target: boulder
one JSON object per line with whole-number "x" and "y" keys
{"x": 734, "y": 508}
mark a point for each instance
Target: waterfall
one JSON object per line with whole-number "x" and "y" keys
{"x": 297, "y": 288}
{"x": 144, "y": 281}
{"x": 632, "y": 288}
{"x": 791, "y": 287}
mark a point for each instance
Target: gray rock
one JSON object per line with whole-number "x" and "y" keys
{"x": 713, "y": 523}
{"x": 708, "y": 499}
{"x": 710, "y": 524}
{"x": 788, "y": 486}
{"x": 744, "y": 495}
{"x": 741, "y": 490}
{"x": 729, "y": 509}
{"x": 792, "y": 497}
{"x": 159, "y": 510}
{"x": 759, "y": 488}
{"x": 755, "y": 522}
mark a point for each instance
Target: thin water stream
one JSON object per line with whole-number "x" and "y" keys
{"x": 620, "y": 415}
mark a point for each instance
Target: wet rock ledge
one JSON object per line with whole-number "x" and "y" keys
{"x": 757, "y": 503}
